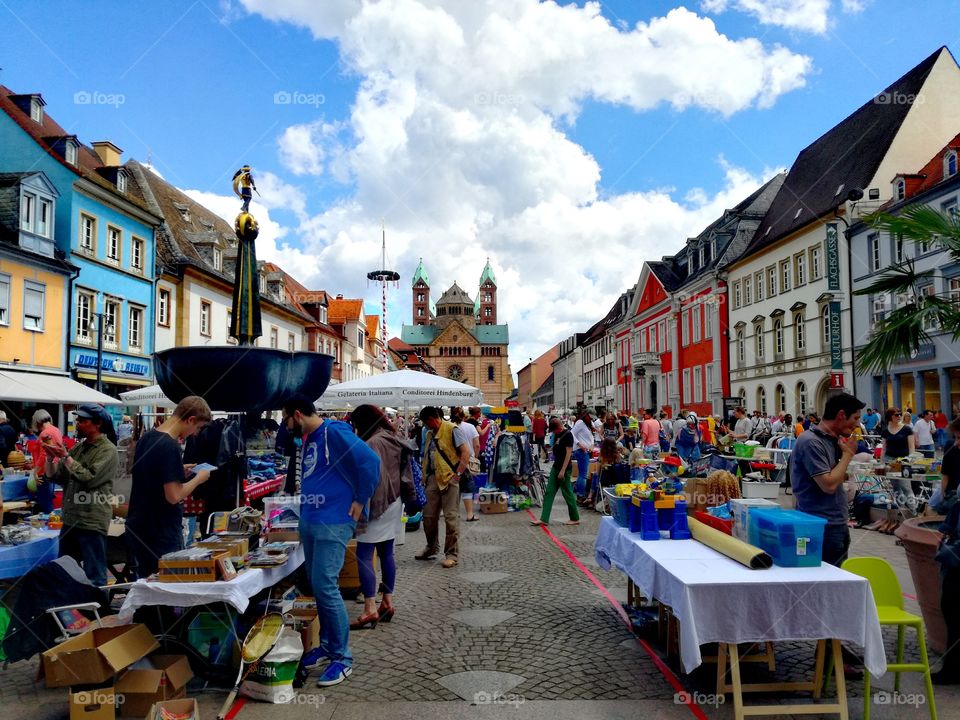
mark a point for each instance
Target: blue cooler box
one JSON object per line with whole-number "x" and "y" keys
{"x": 792, "y": 538}
{"x": 14, "y": 487}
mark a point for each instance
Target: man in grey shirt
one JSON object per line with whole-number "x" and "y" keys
{"x": 818, "y": 467}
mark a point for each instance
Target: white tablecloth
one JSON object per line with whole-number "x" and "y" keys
{"x": 236, "y": 592}
{"x": 717, "y": 599}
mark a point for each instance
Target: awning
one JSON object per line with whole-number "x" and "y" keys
{"x": 115, "y": 379}
{"x": 23, "y": 386}
{"x": 151, "y": 395}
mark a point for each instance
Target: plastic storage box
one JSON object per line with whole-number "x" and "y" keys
{"x": 619, "y": 507}
{"x": 741, "y": 508}
{"x": 792, "y": 538}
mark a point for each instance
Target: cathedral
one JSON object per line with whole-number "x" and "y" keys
{"x": 460, "y": 337}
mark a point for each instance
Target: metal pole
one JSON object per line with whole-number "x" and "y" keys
{"x": 99, "y": 352}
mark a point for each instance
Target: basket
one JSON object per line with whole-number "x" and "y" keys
{"x": 619, "y": 507}
{"x": 741, "y": 450}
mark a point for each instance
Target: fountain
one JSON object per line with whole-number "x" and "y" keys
{"x": 242, "y": 377}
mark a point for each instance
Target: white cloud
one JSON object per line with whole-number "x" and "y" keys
{"x": 807, "y": 15}
{"x": 457, "y": 136}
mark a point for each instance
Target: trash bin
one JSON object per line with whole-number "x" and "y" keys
{"x": 920, "y": 539}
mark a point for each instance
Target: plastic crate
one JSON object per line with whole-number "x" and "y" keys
{"x": 717, "y": 523}
{"x": 619, "y": 507}
{"x": 792, "y": 538}
{"x": 14, "y": 487}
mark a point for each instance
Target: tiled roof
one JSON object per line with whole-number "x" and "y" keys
{"x": 932, "y": 172}
{"x": 341, "y": 310}
{"x": 89, "y": 165}
{"x": 10, "y": 206}
{"x": 455, "y": 295}
{"x": 487, "y": 274}
{"x": 398, "y": 345}
{"x": 491, "y": 334}
{"x": 418, "y": 334}
{"x": 420, "y": 274}
{"x": 847, "y": 156}
{"x": 666, "y": 273}
{"x": 373, "y": 325}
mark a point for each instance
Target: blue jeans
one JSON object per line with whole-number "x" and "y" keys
{"x": 582, "y": 458}
{"x": 836, "y": 543}
{"x": 928, "y": 450}
{"x": 88, "y": 548}
{"x": 324, "y": 547}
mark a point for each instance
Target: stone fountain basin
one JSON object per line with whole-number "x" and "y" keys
{"x": 241, "y": 379}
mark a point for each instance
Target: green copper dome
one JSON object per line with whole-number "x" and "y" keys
{"x": 487, "y": 274}
{"x": 420, "y": 274}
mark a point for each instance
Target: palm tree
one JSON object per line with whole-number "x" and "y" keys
{"x": 901, "y": 332}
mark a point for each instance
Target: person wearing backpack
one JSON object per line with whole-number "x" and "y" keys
{"x": 687, "y": 442}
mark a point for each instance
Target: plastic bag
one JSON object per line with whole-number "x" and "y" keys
{"x": 272, "y": 678}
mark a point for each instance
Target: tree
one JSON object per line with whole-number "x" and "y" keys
{"x": 902, "y": 331}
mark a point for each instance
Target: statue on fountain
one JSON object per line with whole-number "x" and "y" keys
{"x": 245, "y": 324}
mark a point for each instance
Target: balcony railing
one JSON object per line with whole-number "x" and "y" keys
{"x": 646, "y": 360}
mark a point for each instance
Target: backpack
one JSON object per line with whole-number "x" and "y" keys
{"x": 413, "y": 501}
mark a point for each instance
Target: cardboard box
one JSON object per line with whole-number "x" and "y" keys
{"x": 187, "y": 707}
{"x": 93, "y": 703}
{"x": 350, "y": 572}
{"x": 283, "y": 536}
{"x": 306, "y": 622}
{"x": 151, "y": 680}
{"x": 492, "y": 502}
{"x": 236, "y": 546}
{"x": 97, "y": 655}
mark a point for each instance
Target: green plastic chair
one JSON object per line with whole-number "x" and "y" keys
{"x": 889, "y": 600}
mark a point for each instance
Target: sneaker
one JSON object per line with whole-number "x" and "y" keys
{"x": 335, "y": 674}
{"x": 313, "y": 659}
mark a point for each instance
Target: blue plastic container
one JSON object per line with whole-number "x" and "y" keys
{"x": 619, "y": 508}
{"x": 480, "y": 480}
{"x": 14, "y": 487}
{"x": 792, "y": 538}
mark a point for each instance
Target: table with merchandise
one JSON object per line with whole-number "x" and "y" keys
{"x": 719, "y": 600}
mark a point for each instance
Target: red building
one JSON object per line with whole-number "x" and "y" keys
{"x": 672, "y": 347}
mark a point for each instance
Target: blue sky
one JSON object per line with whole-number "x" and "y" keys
{"x": 194, "y": 88}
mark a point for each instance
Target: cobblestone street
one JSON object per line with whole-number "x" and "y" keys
{"x": 516, "y": 629}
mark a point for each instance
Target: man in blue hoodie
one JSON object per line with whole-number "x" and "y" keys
{"x": 339, "y": 474}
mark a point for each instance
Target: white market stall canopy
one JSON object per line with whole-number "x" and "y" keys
{"x": 150, "y": 395}
{"x": 401, "y": 387}
{"x": 22, "y": 386}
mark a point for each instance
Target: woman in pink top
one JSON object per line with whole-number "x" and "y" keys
{"x": 46, "y": 432}
{"x": 650, "y": 435}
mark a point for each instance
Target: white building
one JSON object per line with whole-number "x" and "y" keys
{"x": 599, "y": 357}
{"x": 790, "y": 323}
{"x": 568, "y": 373}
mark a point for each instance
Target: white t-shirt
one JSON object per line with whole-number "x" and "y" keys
{"x": 924, "y": 431}
{"x": 582, "y": 435}
{"x": 743, "y": 427}
{"x": 469, "y": 432}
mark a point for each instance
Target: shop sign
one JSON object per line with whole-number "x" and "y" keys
{"x": 131, "y": 368}
{"x": 836, "y": 347}
{"x": 836, "y": 381}
{"x": 833, "y": 257}
{"x": 512, "y": 403}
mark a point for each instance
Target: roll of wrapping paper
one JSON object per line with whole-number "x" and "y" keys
{"x": 734, "y": 548}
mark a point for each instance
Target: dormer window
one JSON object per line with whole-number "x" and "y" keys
{"x": 899, "y": 189}
{"x": 263, "y": 283}
{"x": 217, "y": 259}
{"x": 36, "y": 109}
{"x": 121, "y": 181}
{"x": 950, "y": 164}
{"x": 70, "y": 152}
{"x": 184, "y": 211}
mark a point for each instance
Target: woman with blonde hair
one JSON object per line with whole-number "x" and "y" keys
{"x": 47, "y": 432}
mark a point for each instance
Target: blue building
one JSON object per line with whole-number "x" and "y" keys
{"x": 101, "y": 228}
{"x": 931, "y": 378}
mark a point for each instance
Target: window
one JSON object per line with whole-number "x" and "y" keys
{"x": 122, "y": 182}
{"x": 205, "y": 311}
{"x": 953, "y": 288}
{"x": 825, "y": 321}
{"x": 758, "y": 333}
{"x": 28, "y": 208}
{"x": 736, "y": 295}
{"x": 950, "y": 164}
{"x": 487, "y": 312}
{"x": 163, "y": 307}
{"x": 758, "y": 285}
{"x": 684, "y": 330}
{"x": 33, "y": 298}
{"x": 950, "y": 208}
{"x": 771, "y": 281}
{"x": 878, "y": 309}
{"x": 113, "y": 244}
{"x": 88, "y": 233}
{"x": 900, "y": 189}
{"x": 661, "y": 336}
{"x": 36, "y": 110}
{"x": 45, "y": 218}
{"x": 696, "y": 322}
{"x": 701, "y": 256}
{"x": 708, "y": 321}
{"x": 709, "y": 381}
{"x": 873, "y": 240}
{"x": 762, "y": 400}
{"x": 111, "y": 317}
{"x": 785, "y": 276}
{"x": 798, "y": 329}
{"x": 136, "y": 254}
{"x": 799, "y": 270}
{"x": 135, "y": 330}
{"x": 291, "y": 342}
{"x": 692, "y": 254}
{"x": 780, "y": 398}
{"x": 490, "y": 373}
{"x": 816, "y": 262}
{"x": 686, "y": 385}
{"x": 747, "y": 292}
{"x": 217, "y": 259}
{"x": 801, "y": 400}
{"x": 70, "y": 152}
{"x": 741, "y": 347}
{"x": 262, "y": 283}
{"x": 360, "y": 338}
{"x": 778, "y": 337}
{"x": 419, "y": 312}
{"x": 84, "y": 314}
{"x": 698, "y": 384}
{"x": 929, "y": 320}
{"x": 4, "y": 299}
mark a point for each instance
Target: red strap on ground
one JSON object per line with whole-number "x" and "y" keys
{"x": 237, "y": 707}
{"x": 661, "y": 666}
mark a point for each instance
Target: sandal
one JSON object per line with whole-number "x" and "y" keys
{"x": 539, "y": 523}
{"x": 473, "y": 519}
{"x": 572, "y": 522}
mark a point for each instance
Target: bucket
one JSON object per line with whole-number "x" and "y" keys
{"x": 920, "y": 540}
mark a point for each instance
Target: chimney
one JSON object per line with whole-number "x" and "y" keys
{"x": 108, "y": 152}
{"x": 339, "y": 297}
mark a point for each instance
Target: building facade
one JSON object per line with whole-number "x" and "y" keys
{"x": 598, "y": 354}
{"x": 568, "y": 373}
{"x": 789, "y": 294}
{"x": 459, "y": 337}
{"x": 100, "y": 227}
{"x": 532, "y": 375}
{"x": 931, "y": 378}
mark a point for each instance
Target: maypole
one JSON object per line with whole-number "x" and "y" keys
{"x": 383, "y": 276}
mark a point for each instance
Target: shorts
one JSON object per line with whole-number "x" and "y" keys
{"x": 467, "y": 484}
